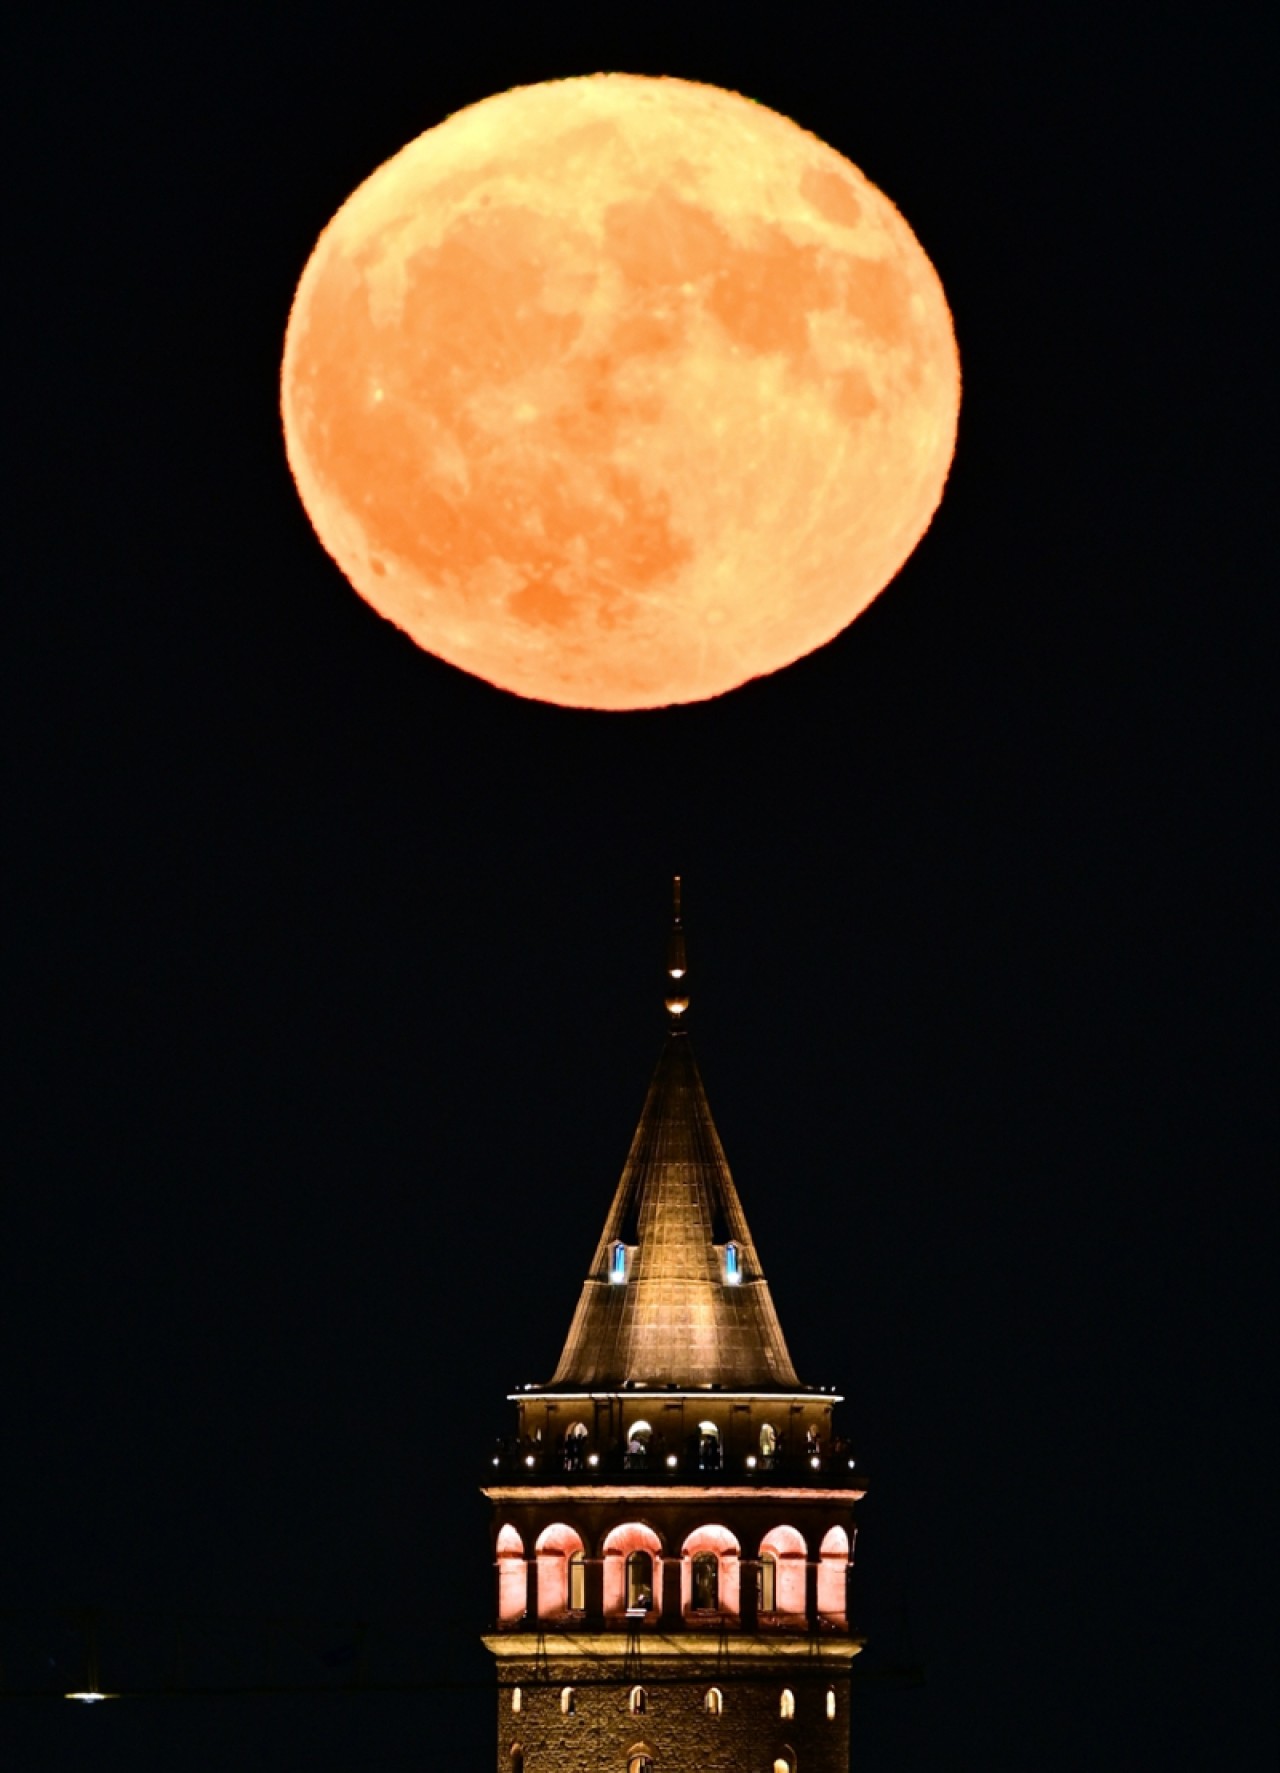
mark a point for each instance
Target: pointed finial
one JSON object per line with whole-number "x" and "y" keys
{"x": 677, "y": 964}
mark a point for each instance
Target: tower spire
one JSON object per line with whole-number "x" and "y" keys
{"x": 675, "y": 1294}
{"x": 677, "y": 998}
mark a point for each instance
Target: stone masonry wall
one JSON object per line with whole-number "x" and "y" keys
{"x": 600, "y": 1732}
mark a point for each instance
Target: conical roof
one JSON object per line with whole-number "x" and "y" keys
{"x": 675, "y": 1295}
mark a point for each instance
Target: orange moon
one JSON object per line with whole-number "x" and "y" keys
{"x": 619, "y": 391}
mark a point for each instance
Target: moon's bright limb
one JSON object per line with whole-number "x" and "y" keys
{"x": 619, "y": 391}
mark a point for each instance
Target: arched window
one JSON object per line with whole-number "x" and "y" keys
{"x": 768, "y": 1443}
{"x": 833, "y": 1575}
{"x": 578, "y": 1582}
{"x": 636, "y": 1701}
{"x": 767, "y": 1583}
{"x": 787, "y": 1547}
{"x": 706, "y": 1583}
{"x": 517, "y": 1759}
{"x": 625, "y": 1581}
{"x": 709, "y": 1575}
{"x": 714, "y": 1702}
{"x": 639, "y": 1445}
{"x": 784, "y": 1764}
{"x": 639, "y": 1761}
{"x": 618, "y": 1263}
{"x": 831, "y": 1702}
{"x": 708, "y": 1446}
{"x": 517, "y": 1699}
{"x": 787, "y": 1703}
{"x": 639, "y": 1582}
{"x": 569, "y": 1701}
{"x": 576, "y": 1437}
{"x": 557, "y": 1545}
{"x": 512, "y": 1585}
{"x": 732, "y": 1265}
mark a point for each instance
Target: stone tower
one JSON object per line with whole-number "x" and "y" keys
{"x": 673, "y": 1520}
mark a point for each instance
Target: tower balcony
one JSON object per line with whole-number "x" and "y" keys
{"x": 824, "y": 1468}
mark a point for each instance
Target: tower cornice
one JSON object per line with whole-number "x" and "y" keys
{"x": 634, "y": 1493}
{"x": 681, "y": 1649}
{"x": 637, "y": 1394}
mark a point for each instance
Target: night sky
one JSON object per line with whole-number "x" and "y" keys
{"x": 334, "y": 974}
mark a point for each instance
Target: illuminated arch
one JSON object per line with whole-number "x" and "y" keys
{"x": 713, "y": 1703}
{"x": 787, "y": 1547}
{"x": 620, "y": 1545}
{"x": 637, "y": 1700}
{"x": 556, "y": 1546}
{"x": 710, "y": 1542}
{"x": 786, "y": 1703}
{"x": 833, "y": 1574}
{"x": 568, "y": 1701}
{"x": 639, "y": 1758}
{"x": 512, "y": 1584}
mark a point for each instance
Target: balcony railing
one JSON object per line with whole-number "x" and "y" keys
{"x": 822, "y": 1468}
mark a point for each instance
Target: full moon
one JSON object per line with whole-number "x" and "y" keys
{"x": 619, "y": 391}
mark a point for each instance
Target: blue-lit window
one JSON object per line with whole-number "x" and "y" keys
{"x": 618, "y": 1264}
{"x": 732, "y": 1265}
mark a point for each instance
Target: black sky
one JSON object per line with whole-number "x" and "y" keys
{"x": 333, "y": 972}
